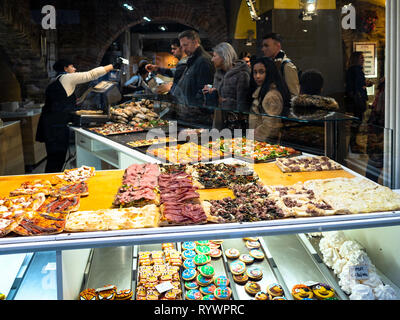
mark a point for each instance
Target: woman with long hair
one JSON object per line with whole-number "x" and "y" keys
{"x": 270, "y": 96}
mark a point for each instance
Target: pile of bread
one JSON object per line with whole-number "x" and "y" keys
{"x": 134, "y": 113}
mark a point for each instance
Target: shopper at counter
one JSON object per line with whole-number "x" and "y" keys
{"x": 230, "y": 89}
{"x": 271, "y": 96}
{"x": 198, "y": 73}
{"x": 175, "y": 73}
{"x": 138, "y": 81}
{"x": 246, "y": 57}
{"x": 272, "y": 48}
{"x": 56, "y": 113}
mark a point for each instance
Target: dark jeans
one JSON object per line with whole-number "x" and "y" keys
{"x": 56, "y": 156}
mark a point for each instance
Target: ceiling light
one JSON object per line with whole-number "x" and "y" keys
{"x": 128, "y": 6}
{"x": 162, "y": 28}
{"x": 147, "y": 19}
{"x": 308, "y": 9}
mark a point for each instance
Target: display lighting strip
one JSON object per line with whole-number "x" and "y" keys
{"x": 253, "y": 11}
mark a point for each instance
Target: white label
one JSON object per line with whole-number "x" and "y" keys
{"x": 164, "y": 286}
{"x": 359, "y": 272}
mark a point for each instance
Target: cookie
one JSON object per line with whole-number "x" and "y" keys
{"x": 209, "y": 297}
{"x": 250, "y": 239}
{"x": 237, "y": 267}
{"x": 188, "y": 245}
{"x": 202, "y": 242}
{"x": 207, "y": 271}
{"x": 124, "y": 294}
{"x": 232, "y": 253}
{"x": 252, "y": 288}
{"x": 219, "y": 242}
{"x": 221, "y": 281}
{"x": 246, "y": 258}
{"x": 188, "y": 254}
{"x": 323, "y": 291}
{"x": 201, "y": 259}
{"x": 189, "y": 264}
{"x": 257, "y": 254}
{"x": 88, "y": 294}
{"x": 261, "y": 295}
{"x": 189, "y": 285}
{"x": 215, "y": 253}
{"x": 202, "y": 249}
{"x": 254, "y": 273}
{"x": 170, "y": 295}
{"x": 279, "y": 298}
{"x": 252, "y": 244}
{"x": 223, "y": 293}
{"x": 240, "y": 278}
{"x": 208, "y": 289}
{"x": 107, "y": 292}
{"x": 302, "y": 292}
{"x": 193, "y": 294}
{"x": 275, "y": 290}
{"x": 203, "y": 281}
{"x": 189, "y": 274}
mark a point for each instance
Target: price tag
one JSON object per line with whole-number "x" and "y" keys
{"x": 359, "y": 272}
{"x": 164, "y": 286}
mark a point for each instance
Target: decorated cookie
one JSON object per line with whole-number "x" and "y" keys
{"x": 223, "y": 293}
{"x": 209, "y": 297}
{"x": 218, "y": 241}
{"x": 232, "y": 253}
{"x": 261, "y": 295}
{"x": 301, "y": 292}
{"x": 189, "y": 285}
{"x": 246, "y": 258}
{"x": 207, "y": 270}
{"x": 275, "y": 290}
{"x": 188, "y": 254}
{"x": 252, "y": 288}
{"x": 208, "y": 289}
{"x": 124, "y": 294}
{"x": 202, "y": 242}
{"x": 323, "y": 291}
{"x": 193, "y": 294}
{"x": 237, "y": 267}
{"x": 254, "y": 273}
{"x": 189, "y": 274}
{"x": 250, "y": 239}
{"x": 107, "y": 292}
{"x": 202, "y": 249}
{"x": 257, "y": 254}
{"x": 203, "y": 281}
{"x": 279, "y": 298}
{"x": 201, "y": 259}
{"x": 88, "y": 294}
{"x": 215, "y": 253}
{"x": 252, "y": 244}
{"x": 240, "y": 278}
{"x": 189, "y": 264}
{"x": 221, "y": 281}
{"x": 188, "y": 245}
{"x": 170, "y": 295}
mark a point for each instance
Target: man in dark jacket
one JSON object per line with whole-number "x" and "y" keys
{"x": 199, "y": 72}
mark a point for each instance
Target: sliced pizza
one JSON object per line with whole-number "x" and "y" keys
{"x": 60, "y": 204}
{"x": 40, "y": 224}
{"x": 307, "y": 164}
{"x": 70, "y": 189}
{"x": 9, "y": 220}
{"x": 32, "y": 187}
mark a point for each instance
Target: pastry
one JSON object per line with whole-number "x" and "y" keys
{"x": 232, "y": 253}
{"x": 240, "y": 278}
{"x": 250, "y": 239}
{"x": 203, "y": 281}
{"x": 202, "y": 242}
{"x": 201, "y": 259}
{"x": 188, "y": 254}
{"x": 254, "y": 273}
{"x": 88, "y": 294}
{"x": 215, "y": 253}
{"x": 221, "y": 281}
{"x": 257, "y": 254}
{"x": 246, "y": 258}
{"x": 252, "y": 288}
{"x": 279, "y": 298}
{"x": 107, "y": 292}
{"x": 189, "y": 285}
{"x": 124, "y": 294}
{"x": 207, "y": 271}
{"x": 189, "y": 264}
{"x": 202, "y": 249}
{"x": 209, "y": 297}
{"x": 217, "y": 242}
{"x": 170, "y": 295}
{"x": 275, "y": 290}
{"x": 301, "y": 292}
{"x": 208, "y": 289}
{"x": 252, "y": 244}
{"x": 189, "y": 274}
{"x": 261, "y": 295}
{"x": 323, "y": 291}
{"x": 188, "y": 245}
{"x": 237, "y": 267}
{"x": 223, "y": 293}
{"x": 193, "y": 294}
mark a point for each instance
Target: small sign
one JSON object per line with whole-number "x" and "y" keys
{"x": 369, "y": 51}
{"x": 164, "y": 286}
{"x": 359, "y": 272}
